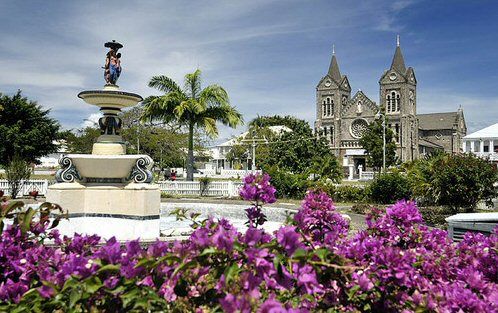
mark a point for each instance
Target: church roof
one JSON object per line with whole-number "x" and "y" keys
{"x": 488, "y": 132}
{"x": 427, "y": 143}
{"x": 445, "y": 120}
{"x": 334, "y": 70}
{"x": 398, "y": 63}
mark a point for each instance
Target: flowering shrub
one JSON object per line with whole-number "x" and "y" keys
{"x": 258, "y": 190}
{"x": 396, "y": 264}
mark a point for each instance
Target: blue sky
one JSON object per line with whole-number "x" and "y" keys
{"x": 269, "y": 55}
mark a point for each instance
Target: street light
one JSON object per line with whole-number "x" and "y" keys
{"x": 383, "y": 116}
{"x": 253, "y": 141}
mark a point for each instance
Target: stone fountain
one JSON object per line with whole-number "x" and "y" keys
{"x": 108, "y": 192}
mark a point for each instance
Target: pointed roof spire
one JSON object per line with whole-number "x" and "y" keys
{"x": 334, "y": 71}
{"x": 398, "y": 63}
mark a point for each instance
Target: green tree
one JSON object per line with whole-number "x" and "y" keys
{"x": 456, "y": 181}
{"x": 192, "y": 107}
{"x": 297, "y": 151}
{"x": 26, "y": 130}
{"x": 237, "y": 154}
{"x": 81, "y": 140}
{"x": 372, "y": 142}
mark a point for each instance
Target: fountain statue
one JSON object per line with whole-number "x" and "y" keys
{"x": 108, "y": 192}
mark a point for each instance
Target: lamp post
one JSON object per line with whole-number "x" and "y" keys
{"x": 253, "y": 141}
{"x": 383, "y": 116}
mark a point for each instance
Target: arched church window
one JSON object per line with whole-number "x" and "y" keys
{"x": 393, "y": 102}
{"x": 397, "y": 102}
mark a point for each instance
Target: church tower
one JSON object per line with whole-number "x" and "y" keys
{"x": 332, "y": 93}
{"x": 398, "y": 99}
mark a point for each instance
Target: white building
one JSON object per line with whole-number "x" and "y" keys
{"x": 52, "y": 160}
{"x": 483, "y": 143}
{"x": 219, "y": 152}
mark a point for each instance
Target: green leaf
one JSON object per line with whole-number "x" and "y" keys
{"x": 231, "y": 272}
{"x": 322, "y": 253}
{"x": 74, "y": 297}
{"x": 109, "y": 268}
{"x": 92, "y": 284}
{"x": 299, "y": 254}
{"x": 208, "y": 251}
{"x": 28, "y": 218}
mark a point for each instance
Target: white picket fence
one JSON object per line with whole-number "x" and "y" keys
{"x": 40, "y": 185}
{"x": 364, "y": 176}
{"x": 193, "y": 188}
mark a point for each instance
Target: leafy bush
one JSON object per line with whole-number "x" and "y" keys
{"x": 344, "y": 193}
{"x": 362, "y": 208}
{"x": 456, "y": 181}
{"x": 17, "y": 171}
{"x": 389, "y": 188}
{"x": 435, "y": 215}
{"x": 289, "y": 185}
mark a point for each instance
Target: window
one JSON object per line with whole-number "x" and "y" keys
{"x": 328, "y": 107}
{"x": 358, "y": 128}
{"x": 331, "y": 139}
{"x": 393, "y": 102}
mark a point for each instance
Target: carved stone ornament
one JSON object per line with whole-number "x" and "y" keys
{"x": 358, "y": 128}
{"x": 68, "y": 172}
{"x": 140, "y": 173}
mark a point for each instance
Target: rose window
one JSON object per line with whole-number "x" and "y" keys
{"x": 358, "y": 128}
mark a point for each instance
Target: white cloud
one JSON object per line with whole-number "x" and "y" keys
{"x": 92, "y": 120}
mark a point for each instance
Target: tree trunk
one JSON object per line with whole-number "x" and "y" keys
{"x": 190, "y": 157}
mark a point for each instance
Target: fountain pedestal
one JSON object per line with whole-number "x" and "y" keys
{"x": 108, "y": 193}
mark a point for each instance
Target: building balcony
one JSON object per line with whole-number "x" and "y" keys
{"x": 492, "y": 156}
{"x": 350, "y": 144}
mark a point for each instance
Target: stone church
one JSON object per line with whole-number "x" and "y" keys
{"x": 343, "y": 118}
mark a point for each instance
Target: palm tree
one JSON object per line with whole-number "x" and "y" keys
{"x": 192, "y": 107}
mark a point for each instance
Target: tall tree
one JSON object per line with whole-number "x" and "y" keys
{"x": 26, "y": 131}
{"x": 297, "y": 151}
{"x": 81, "y": 140}
{"x": 372, "y": 142}
{"x": 191, "y": 106}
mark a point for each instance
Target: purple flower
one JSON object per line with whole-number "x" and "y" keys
{"x": 289, "y": 239}
{"x": 257, "y": 188}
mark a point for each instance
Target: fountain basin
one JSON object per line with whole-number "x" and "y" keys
{"x": 105, "y": 166}
{"x": 110, "y": 98}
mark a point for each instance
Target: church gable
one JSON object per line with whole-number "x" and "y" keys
{"x": 392, "y": 76}
{"x": 410, "y": 76}
{"x": 359, "y": 105}
{"x": 327, "y": 83}
{"x": 345, "y": 84}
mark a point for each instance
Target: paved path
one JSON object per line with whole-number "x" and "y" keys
{"x": 357, "y": 220}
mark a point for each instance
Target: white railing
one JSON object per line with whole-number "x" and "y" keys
{"x": 367, "y": 175}
{"x": 193, "y": 188}
{"x": 40, "y": 185}
{"x": 236, "y": 173}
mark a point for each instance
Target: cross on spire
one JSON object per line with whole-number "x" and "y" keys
{"x": 333, "y": 49}
{"x": 397, "y": 40}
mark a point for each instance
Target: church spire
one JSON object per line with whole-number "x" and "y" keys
{"x": 398, "y": 63}
{"x": 334, "y": 67}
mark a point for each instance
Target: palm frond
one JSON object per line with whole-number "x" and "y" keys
{"x": 161, "y": 107}
{"x": 193, "y": 84}
{"x": 210, "y": 127}
{"x": 214, "y": 95}
{"x": 164, "y": 84}
{"x": 226, "y": 114}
